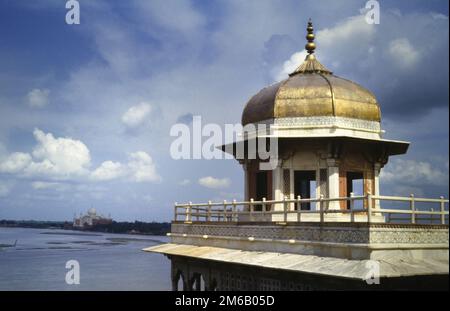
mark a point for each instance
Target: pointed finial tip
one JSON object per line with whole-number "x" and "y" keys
{"x": 310, "y": 46}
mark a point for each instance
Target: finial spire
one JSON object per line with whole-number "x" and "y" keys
{"x": 311, "y": 64}
{"x": 310, "y": 46}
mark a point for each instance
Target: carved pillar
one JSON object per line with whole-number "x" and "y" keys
{"x": 333, "y": 183}
{"x": 246, "y": 181}
{"x": 277, "y": 183}
{"x": 278, "y": 194}
{"x": 376, "y": 180}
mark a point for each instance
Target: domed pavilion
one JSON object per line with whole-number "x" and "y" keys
{"x": 329, "y": 136}
{"x": 313, "y": 220}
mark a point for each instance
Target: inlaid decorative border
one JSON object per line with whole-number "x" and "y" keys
{"x": 331, "y": 234}
{"x": 328, "y": 121}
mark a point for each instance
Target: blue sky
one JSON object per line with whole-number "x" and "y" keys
{"x": 86, "y": 110}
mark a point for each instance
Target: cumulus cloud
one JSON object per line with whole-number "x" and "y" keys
{"x": 139, "y": 168}
{"x": 403, "y": 53}
{"x": 59, "y": 156}
{"x": 367, "y": 54}
{"x": 136, "y": 115}
{"x": 290, "y": 65}
{"x": 354, "y": 29}
{"x": 142, "y": 167}
{"x": 67, "y": 158}
{"x": 15, "y": 162}
{"x": 38, "y": 98}
{"x": 214, "y": 183}
{"x": 412, "y": 172}
{"x": 108, "y": 170}
{"x": 336, "y": 41}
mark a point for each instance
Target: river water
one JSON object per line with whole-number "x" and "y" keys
{"x": 107, "y": 261}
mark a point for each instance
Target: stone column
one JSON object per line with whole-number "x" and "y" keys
{"x": 246, "y": 181}
{"x": 277, "y": 190}
{"x": 318, "y": 190}
{"x": 333, "y": 183}
{"x": 277, "y": 183}
{"x": 376, "y": 179}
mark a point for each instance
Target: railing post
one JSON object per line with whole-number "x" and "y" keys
{"x": 225, "y": 210}
{"x": 251, "y": 209}
{"x": 442, "y": 210}
{"x": 188, "y": 213}
{"x": 285, "y": 198}
{"x": 299, "y": 209}
{"x": 413, "y": 209}
{"x": 369, "y": 207}
{"x": 233, "y": 212}
{"x": 175, "y": 211}
{"x": 208, "y": 214}
{"x": 264, "y": 208}
{"x": 322, "y": 218}
{"x": 352, "y": 207}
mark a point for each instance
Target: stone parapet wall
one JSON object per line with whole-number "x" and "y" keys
{"x": 347, "y": 233}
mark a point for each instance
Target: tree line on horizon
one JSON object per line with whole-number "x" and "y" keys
{"x": 136, "y": 227}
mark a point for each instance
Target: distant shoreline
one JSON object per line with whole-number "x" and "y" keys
{"x": 134, "y": 228}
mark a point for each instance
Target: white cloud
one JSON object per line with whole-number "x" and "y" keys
{"x": 414, "y": 172}
{"x": 108, "y": 170}
{"x": 38, "y": 98}
{"x": 403, "y": 53}
{"x": 214, "y": 183}
{"x": 290, "y": 65}
{"x": 15, "y": 162}
{"x": 58, "y": 156}
{"x": 44, "y": 185}
{"x": 336, "y": 41}
{"x": 354, "y": 29}
{"x": 142, "y": 168}
{"x": 66, "y": 158}
{"x": 136, "y": 115}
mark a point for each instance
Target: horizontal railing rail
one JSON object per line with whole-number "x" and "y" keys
{"x": 290, "y": 210}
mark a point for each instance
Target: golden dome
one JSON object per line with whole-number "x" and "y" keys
{"x": 312, "y": 91}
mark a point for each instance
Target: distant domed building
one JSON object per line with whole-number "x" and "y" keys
{"x": 91, "y": 219}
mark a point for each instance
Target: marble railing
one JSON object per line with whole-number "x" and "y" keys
{"x": 371, "y": 209}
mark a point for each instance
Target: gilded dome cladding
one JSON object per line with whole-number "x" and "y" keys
{"x": 312, "y": 91}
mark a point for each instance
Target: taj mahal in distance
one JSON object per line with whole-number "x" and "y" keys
{"x": 301, "y": 225}
{"x": 90, "y": 219}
